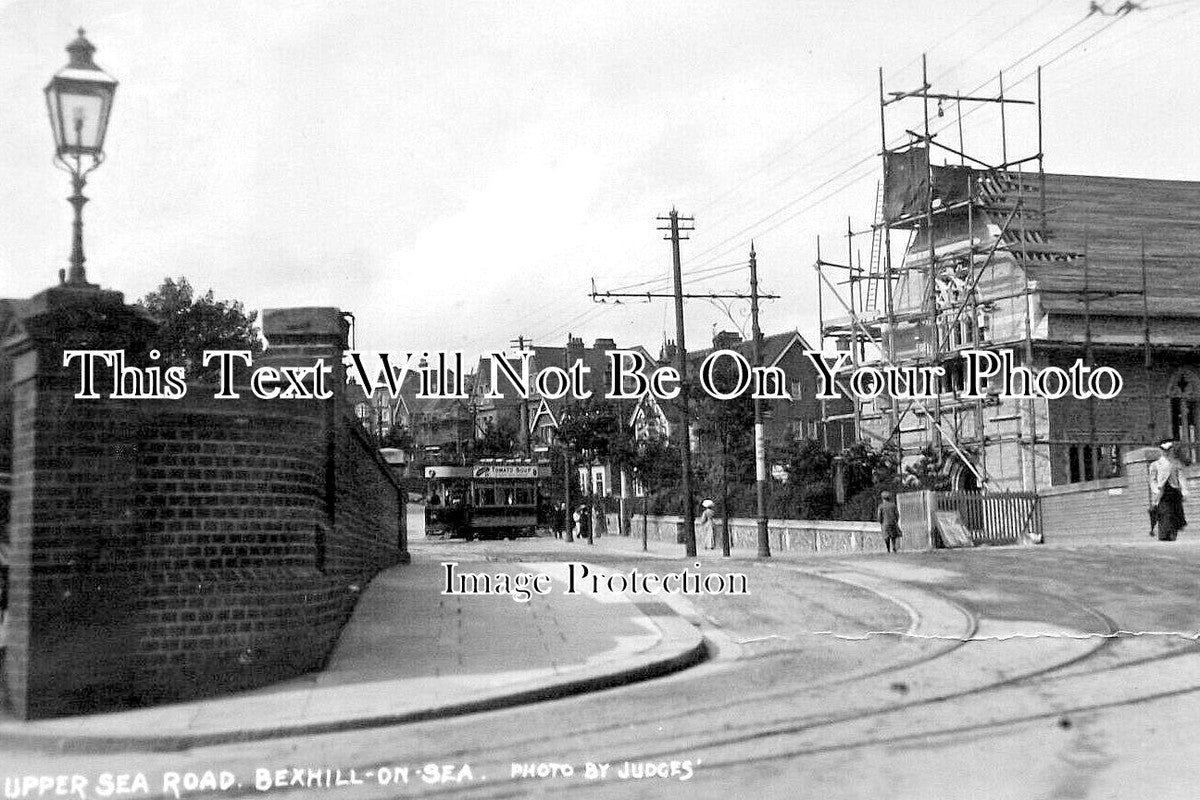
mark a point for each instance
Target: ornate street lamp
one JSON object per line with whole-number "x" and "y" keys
{"x": 79, "y": 99}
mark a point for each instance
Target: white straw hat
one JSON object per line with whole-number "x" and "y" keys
{"x": 707, "y": 504}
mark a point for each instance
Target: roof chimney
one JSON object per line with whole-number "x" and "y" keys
{"x": 723, "y": 340}
{"x": 575, "y": 349}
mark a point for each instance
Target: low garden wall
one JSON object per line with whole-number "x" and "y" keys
{"x": 785, "y": 535}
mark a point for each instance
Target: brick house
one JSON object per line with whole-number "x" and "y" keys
{"x": 785, "y": 421}
{"x": 1052, "y": 269}
{"x": 539, "y": 416}
{"x": 441, "y": 429}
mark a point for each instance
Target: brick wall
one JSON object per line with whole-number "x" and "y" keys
{"x": 1114, "y": 509}
{"x": 163, "y": 550}
{"x": 370, "y": 508}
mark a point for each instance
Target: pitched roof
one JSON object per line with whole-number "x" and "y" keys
{"x": 594, "y": 358}
{"x": 9, "y": 310}
{"x": 773, "y": 347}
{"x": 1113, "y": 216}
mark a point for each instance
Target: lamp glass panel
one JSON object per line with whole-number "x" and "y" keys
{"x": 81, "y": 115}
{"x": 78, "y": 115}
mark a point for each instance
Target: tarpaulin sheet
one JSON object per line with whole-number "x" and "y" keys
{"x": 951, "y": 184}
{"x": 905, "y": 183}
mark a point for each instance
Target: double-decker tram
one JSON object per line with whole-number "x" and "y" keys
{"x": 490, "y": 498}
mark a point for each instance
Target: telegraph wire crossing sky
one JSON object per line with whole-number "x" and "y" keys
{"x": 458, "y": 174}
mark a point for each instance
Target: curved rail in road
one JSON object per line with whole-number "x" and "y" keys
{"x": 1019, "y": 672}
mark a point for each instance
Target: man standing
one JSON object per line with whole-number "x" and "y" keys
{"x": 559, "y": 520}
{"x": 1168, "y": 488}
{"x": 704, "y": 526}
{"x": 888, "y": 517}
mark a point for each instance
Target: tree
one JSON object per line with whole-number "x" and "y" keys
{"x": 726, "y": 432}
{"x": 190, "y": 325}
{"x": 808, "y": 492}
{"x": 866, "y": 472}
{"x": 398, "y": 437}
{"x": 497, "y": 439}
{"x": 929, "y": 470}
{"x": 654, "y": 463}
{"x": 595, "y": 427}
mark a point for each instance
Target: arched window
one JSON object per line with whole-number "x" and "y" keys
{"x": 1184, "y": 393}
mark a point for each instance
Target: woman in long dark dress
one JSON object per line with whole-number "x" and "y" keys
{"x": 1168, "y": 488}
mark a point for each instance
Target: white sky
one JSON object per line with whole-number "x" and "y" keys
{"x": 455, "y": 174}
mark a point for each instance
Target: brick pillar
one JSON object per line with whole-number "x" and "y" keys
{"x": 302, "y": 335}
{"x": 298, "y": 337}
{"x": 71, "y": 528}
{"x": 1137, "y": 471}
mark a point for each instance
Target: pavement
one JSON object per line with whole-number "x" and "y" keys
{"x": 412, "y": 653}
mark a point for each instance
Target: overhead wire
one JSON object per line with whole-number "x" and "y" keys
{"x": 703, "y": 266}
{"x": 842, "y": 142}
{"x": 844, "y": 138}
{"x": 668, "y": 278}
{"x": 1088, "y": 74}
{"x": 759, "y": 232}
{"x": 830, "y": 120}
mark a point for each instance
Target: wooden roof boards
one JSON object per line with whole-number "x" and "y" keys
{"x": 1105, "y": 216}
{"x": 1108, "y": 217}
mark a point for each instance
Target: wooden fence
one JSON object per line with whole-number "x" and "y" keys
{"x": 956, "y": 519}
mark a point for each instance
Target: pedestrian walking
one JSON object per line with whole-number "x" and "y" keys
{"x": 704, "y": 526}
{"x": 1168, "y": 489}
{"x": 559, "y": 520}
{"x": 888, "y": 516}
{"x": 583, "y": 522}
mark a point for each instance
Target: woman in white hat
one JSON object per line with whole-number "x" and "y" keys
{"x": 704, "y": 526}
{"x": 1168, "y": 488}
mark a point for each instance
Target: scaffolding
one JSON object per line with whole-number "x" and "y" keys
{"x": 921, "y": 200}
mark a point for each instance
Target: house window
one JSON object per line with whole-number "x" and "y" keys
{"x": 1110, "y": 461}
{"x": 954, "y": 380}
{"x": 1082, "y": 465}
{"x": 1184, "y": 395}
{"x": 598, "y": 483}
{"x": 1093, "y": 462}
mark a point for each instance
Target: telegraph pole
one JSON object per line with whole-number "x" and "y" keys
{"x": 935, "y": 340}
{"x": 527, "y": 445}
{"x": 570, "y": 515}
{"x": 674, "y": 228}
{"x": 760, "y": 439}
{"x": 685, "y": 440}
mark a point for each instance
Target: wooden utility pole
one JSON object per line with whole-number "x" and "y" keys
{"x": 1090, "y": 358}
{"x": 570, "y": 535}
{"x": 677, "y": 225}
{"x": 1146, "y": 364}
{"x": 760, "y": 439}
{"x": 685, "y": 422}
{"x": 935, "y": 342}
{"x": 525, "y": 440}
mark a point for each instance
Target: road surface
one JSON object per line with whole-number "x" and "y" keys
{"x": 993, "y": 673}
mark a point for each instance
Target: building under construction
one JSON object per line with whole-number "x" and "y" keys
{"x": 1052, "y": 268}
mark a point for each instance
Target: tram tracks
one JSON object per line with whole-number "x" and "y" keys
{"x": 870, "y": 714}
